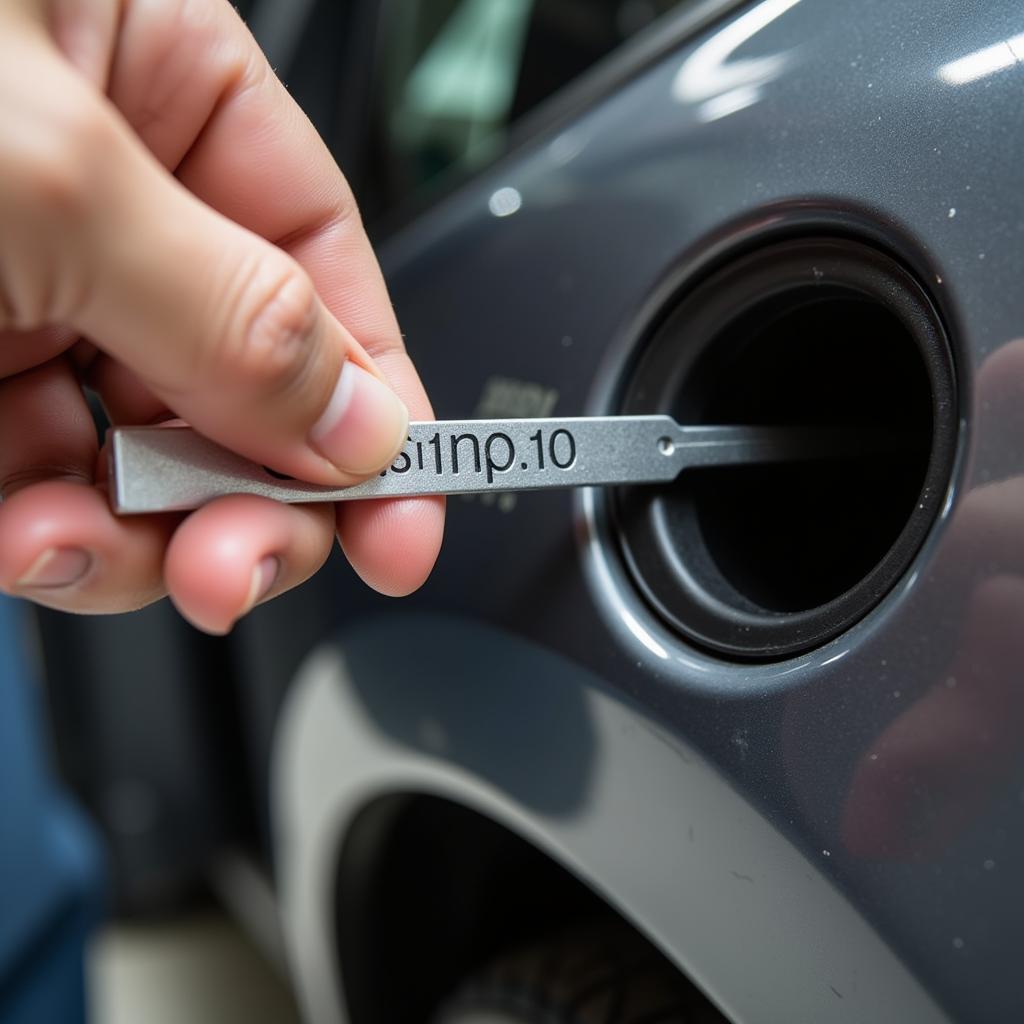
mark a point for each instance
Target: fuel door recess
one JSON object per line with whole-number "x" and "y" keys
{"x": 765, "y": 561}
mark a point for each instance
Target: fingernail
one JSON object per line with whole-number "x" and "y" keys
{"x": 56, "y": 567}
{"x": 264, "y": 576}
{"x": 364, "y": 425}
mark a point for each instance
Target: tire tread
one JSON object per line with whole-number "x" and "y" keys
{"x": 602, "y": 974}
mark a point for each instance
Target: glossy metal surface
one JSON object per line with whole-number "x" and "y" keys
{"x": 155, "y": 469}
{"x": 539, "y": 744}
{"x": 891, "y": 759}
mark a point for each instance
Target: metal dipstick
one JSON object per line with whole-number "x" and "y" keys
{"x": 155, "y": 469}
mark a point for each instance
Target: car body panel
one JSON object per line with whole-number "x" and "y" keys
{"x": 540, "y": 745}
{"x": 888, "y": 762}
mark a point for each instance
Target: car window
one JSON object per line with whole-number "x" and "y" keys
{"x": 453, "y": 76}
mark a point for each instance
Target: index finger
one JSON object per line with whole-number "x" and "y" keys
{"x": 194, "y": 85}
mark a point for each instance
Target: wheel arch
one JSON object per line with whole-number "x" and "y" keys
{"x": 384, "y": 718}
{"x": 429, "y": 890}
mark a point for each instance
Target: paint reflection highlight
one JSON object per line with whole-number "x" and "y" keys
{"x": 985, "y": 62}
{"x": 718, "y": 84}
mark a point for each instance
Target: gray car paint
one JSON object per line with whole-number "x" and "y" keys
{"x": 539, "y": 744}
{"x": 891, "y": 759}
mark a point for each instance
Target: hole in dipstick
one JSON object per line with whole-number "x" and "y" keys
{"x": 666, "y": 445}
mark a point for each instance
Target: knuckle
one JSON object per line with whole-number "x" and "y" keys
{"x": 51, "y": 177}
{"x": 182, "y": 46}
{"x": 56, "y": 169}
{"x": 271, "y": 348}
{"x": 18, "y": 478}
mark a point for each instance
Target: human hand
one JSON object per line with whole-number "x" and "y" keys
{"x": 174, "y": 235}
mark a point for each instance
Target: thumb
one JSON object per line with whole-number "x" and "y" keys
{"x": 226, "y": 328}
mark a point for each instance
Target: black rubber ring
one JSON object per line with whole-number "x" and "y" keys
{"x": 688, "y": 360}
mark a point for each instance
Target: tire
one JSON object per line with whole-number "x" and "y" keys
{"x": 607, "y": 974}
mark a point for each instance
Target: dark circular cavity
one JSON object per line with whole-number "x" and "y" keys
{"x": 769, "y": 560}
